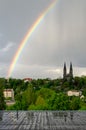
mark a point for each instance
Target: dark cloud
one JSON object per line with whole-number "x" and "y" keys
{"x": 60, "y": 37}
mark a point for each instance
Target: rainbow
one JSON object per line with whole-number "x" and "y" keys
{"x": 28, "y": 35}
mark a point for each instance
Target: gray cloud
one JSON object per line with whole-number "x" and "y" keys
{"x": 60, "y": 37}
{"x": 65, "y": 39}
{"x": 7, "y": 47}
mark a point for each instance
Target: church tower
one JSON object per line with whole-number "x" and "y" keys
{"x": 67, "y": 76}
{"x": 64, "y": 71}
{"x": 71, "y": 71}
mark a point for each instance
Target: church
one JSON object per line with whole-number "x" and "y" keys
{"x": 67, "y": 76}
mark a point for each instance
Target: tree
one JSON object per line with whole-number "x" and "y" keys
{"x": 2, "y": 101}
{"x": 51, "y": 101}
{"x": 46, "y": 93}
{"x": 61, "y": 102}
{"x": 75, "y": 103}
{"x": 39, "y": 105}
{"x": 28, "y": 97}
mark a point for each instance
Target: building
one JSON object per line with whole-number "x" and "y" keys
{"x": 9, "y": 93}
{"x": 74, "y": 93}
{"x": 27, "y": 79}
{"x": 67, "y": 76}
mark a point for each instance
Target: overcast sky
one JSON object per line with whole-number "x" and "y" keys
{"x": 59, "y": 38}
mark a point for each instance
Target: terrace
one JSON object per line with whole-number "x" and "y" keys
{"x": 42, "y": 120}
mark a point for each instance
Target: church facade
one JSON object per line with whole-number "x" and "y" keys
{"x": 67, "y": 76}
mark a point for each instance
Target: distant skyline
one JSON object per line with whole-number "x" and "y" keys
{"x": 59, "y": 38}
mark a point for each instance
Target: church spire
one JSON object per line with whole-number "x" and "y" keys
{"x": 64, "y": 71}
{"x": 71, "y": 70}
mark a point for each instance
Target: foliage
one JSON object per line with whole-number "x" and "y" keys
{"x": 61, "y": 102}
{"x": 40, "y": 104}
{"x": 2, "y": 100}
{"x": 44, "y": 94}
{"x": 75, "y": 103}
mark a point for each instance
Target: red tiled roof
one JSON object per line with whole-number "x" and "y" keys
{"x": 29, "y": 79}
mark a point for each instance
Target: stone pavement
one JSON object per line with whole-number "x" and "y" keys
{"x": 42, "y": 120}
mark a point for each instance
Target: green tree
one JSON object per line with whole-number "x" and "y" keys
{"x": 28, "y": 97}
{"x": 51, "y": 101}
{"x": 46, "y": 93}
{"x": 75, "y": 103}
{"x": 39, "y": 105}
{"x": 61, "y": 102}
{"x": 2, "y": 101}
